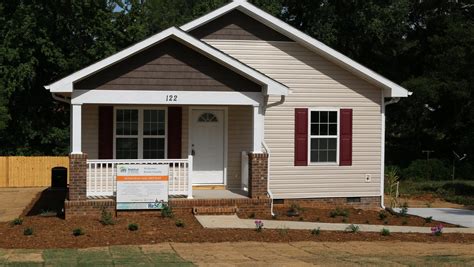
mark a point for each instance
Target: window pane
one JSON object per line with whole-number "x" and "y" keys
{"x": 324, "y": 116}
{"x": 323, "y": 149}
{"x": 324, "y": 129}
{"x": 323, "y": 156}
{"x": 314, "y": 156}
{"x": 126, "y": 122}
{"x": 332, "y": 156}
{"x": 333, "y": 116}
{"x": 153, "y": 148}
{"x": 332, "y": 129}
{"x": 154, "y": 122}
{"x": 314, "y": 116}
{"x": 332, "y": 143}
{"x": 314, "y": 129}
{"x": 126, "y": 148}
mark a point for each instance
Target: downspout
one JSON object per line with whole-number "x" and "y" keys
{"x": 269, "y": 192}
{"x": 382, "y": 161}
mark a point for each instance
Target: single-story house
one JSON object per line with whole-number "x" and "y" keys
{"x": 234, "y": 101}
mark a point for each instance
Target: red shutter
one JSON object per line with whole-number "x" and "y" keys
{"x": 174, "y": 132}
{"x": 106, "y": 132}
{"x": 301, "y": 137}
{"x": 345, "y": 139}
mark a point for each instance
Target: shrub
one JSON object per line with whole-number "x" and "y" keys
{"x": 339, "y": 212}
{"x": 353, "y": 228}
{"x": 429, "y": 219}
{"x": 252, "y": 215}
{"x": 133, "y": 227}
{"x": 423, "y": 170}
{"x": 283, "y": 231}
{"x": 316, "y": 231}
{"x": 367, "y": 222}
{"x": 179, "y": 223}
{"x": 301, "y": 219}
{"x": 382, "y": 215}
{"x": 405, "y": 221}
{"x": 258, "y": 225}
{"x": 28, "y": 231}
{"x": 344, "y": 220}
{"x": 392, "y": 178}
{"x": 167, "y": 211}
{"x": 385, "y": 222}
{"x": 274, "y": 217}
{"x": 404, "y": 210}
{"x": 77, "y": 232}
{"x": 17, "y": 221}
{"x": 106, "y": 218}
{"x": 437, "y": 230}
{"x": 385, "y": 232}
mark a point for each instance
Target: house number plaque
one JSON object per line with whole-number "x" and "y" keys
{"x": 171, "y": 98}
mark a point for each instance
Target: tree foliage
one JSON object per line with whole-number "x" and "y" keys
{"x": 427, "y": 46}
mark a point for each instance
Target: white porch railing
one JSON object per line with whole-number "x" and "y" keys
{"x": 101, "y": 176}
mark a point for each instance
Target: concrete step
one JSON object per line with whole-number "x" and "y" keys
{"x": 215, "y": 210}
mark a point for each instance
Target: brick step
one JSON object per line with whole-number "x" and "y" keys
{"x": 220, "y": 210}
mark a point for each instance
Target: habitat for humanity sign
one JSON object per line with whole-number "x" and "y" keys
{"x": 142, "y": 186}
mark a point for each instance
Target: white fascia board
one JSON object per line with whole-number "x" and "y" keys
{"x": 152, "y": 97}
{"x": 391, "y": 89}
{"x": 269, "y": 85}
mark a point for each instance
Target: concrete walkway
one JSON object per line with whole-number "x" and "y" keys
{"x": 232, "y": 221}
{"x": 454, "y": 216}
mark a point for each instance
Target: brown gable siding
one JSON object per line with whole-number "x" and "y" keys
{"x": 236, "y": 25}
{"x": 168, "y": 65}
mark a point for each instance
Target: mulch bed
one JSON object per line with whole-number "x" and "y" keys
{"x": 54, "y": 232}
{"x": 355, "y": 216}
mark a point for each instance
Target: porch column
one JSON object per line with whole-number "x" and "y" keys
{"x": 76, "y": 129}
{"x": 258, "y": 128}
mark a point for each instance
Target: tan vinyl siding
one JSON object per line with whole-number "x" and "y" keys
{"x": 314, "y": 82}
{"x": 90, "y": 131}
{"x": 240, "y": 132}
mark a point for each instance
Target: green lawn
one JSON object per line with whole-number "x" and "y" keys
{"x": 459, "y": 191}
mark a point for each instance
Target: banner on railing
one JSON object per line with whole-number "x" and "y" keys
{"x": 141, "y": 187}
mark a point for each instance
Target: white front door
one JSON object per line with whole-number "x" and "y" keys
{"x": 207, "y": 146}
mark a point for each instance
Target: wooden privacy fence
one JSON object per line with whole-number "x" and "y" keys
{"x": 29, "y": 171}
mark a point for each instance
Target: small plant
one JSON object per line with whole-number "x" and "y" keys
{"x": 382, "y": 215}
{"x": 252, "y": 215}
{"x": 316, "y": 231}
{"x": 385, "y": 222}
{"x": 385, "y": 232}
{"x": 166, "y": 211}
{"x": 404, "y": 210}
{"x": 437, "y": 230}
{"x": 258, "y": 225}
{"x": 17, "y": 221}
{"x": 353, "y": 228}
{"x": 28, "y": 231}
{"x": 133, "y": 227}
{"x": 318, "y": 219}
{"x": 339, "y": 212}
{"x": 367, "y": 222}
{"x": 301, "y": 219}
{"x": 294, "y": 210}
{"x": 344, "y": 220}
{"x": 405, "y": 221}
{"x": 283, "y": 231}
{"x": 106, "y": 218}
{"x": 179, "y": 223}
{"x": 77, "y": 232}
{"x": 274, "y": 217}
{"x": 429, "y": 219}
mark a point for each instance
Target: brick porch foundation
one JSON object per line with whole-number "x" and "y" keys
{"x": 258, "y": 175}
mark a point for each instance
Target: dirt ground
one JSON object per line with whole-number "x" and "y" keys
{"x": 425, "y": 201}
{"x": 251, "y": 254}
{"x": 14, "y": 200}
{"x": 355, "y": 216}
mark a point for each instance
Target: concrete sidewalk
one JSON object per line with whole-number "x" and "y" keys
{"x": 232, "y": 221}
{"x": 454, "y": 216}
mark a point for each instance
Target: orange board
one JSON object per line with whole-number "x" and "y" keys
{"x": 142, "y": 178}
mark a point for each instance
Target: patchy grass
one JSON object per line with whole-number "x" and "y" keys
{"x": 459, "y": 191}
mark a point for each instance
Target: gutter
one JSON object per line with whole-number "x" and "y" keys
{"x": 382, "y": 161}
{"x": 269, "y": 192}
{"x": 60, "y": 98}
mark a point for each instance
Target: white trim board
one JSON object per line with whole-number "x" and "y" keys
{"x": 270, "y": 86}
{"x": 151, "y": 97}
{"x": 391, "y": 89}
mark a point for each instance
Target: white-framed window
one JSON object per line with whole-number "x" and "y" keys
{"x": 323, "y": 136}
{"x": 140, "y": 133}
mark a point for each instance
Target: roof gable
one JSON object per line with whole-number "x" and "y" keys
{"x": 236, "y": 25}
{"x": 270, "y": 86}
{"x": 168, "y": 65}
{"x": 391, "y": 89}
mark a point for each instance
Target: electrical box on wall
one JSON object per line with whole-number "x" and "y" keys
{"x": 368, "y": 178}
